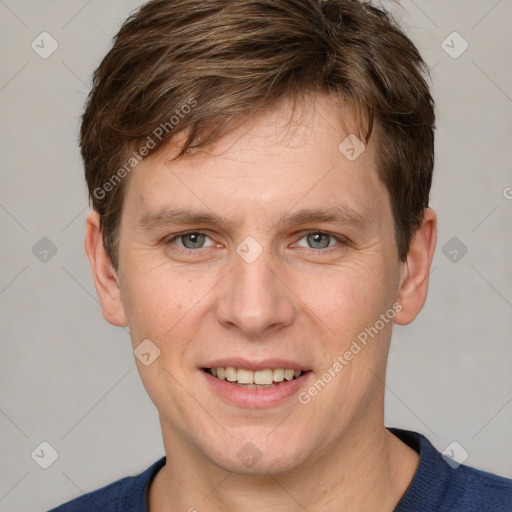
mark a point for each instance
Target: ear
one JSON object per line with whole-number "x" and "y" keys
{"x": 415, "y": 271}
{"x": 104, "y": 274}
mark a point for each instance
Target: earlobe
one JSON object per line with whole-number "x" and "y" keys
{"x": 105, "y": 277}
{"x": 416, "y": 269}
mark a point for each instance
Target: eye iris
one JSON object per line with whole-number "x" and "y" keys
{"x": 316, "y": 238}
{"x": 197, "y": 240}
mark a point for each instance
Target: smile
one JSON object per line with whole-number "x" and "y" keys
{"x": 254, "y": 379}
{"x": 266, "y": 384}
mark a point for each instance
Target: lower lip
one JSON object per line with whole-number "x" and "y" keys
{"x": 253, "y": 398}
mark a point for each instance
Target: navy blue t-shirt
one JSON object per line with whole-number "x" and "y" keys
{"x": 436, "y": 487}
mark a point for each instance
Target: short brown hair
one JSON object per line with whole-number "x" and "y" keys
{"x": 205, "y": 63}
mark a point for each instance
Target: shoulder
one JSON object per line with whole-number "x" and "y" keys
{"x": 483, "y": 490}
{"x": 105, "y": 499}
{"x": 440, "y": 484}
{"x": 127, "y": 494}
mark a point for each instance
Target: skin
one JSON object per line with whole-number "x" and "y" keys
{"x": 298, "y": 300}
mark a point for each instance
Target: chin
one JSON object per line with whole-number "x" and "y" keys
{"x": 260, "y": 453}
{"x": 259, "y": 464}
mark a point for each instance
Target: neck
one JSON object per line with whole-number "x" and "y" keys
{"x": 368, "y": 469}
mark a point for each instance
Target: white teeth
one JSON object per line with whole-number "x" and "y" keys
{"x": 245, "y": 377}
{"x": 263, "y": 377}
{"x": 260, "y": 377}
{"x": 230, "y": 374}
{"x": 278, "y": 375}
{"x": 288, "y": 374}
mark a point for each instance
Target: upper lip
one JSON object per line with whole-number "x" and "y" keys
{"x": 240, "y": 362}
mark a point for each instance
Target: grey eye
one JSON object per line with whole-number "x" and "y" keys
{"x": 318, "y": 240}
{"x": 192, "y": 240}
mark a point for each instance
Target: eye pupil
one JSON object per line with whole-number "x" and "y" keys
{"x": 196, "y": 240}
{"x": 316, "y": 238}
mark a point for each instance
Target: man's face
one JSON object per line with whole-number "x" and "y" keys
{"x": 265, "y": 289}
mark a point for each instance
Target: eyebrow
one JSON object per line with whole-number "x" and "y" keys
{"x": 165, "y": 217}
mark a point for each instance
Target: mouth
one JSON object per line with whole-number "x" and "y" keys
{"x": 258, "y": 379}
{"x": 255, "y": 384}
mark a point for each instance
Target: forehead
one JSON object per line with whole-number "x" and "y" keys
{"x": 270, "y": 165}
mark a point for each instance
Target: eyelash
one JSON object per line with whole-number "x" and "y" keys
{"x": 342, "y": 241}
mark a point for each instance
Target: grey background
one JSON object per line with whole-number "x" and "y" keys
{"x": 69, "y": 378}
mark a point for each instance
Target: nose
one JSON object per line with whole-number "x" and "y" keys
{"x": 255, "y": 300}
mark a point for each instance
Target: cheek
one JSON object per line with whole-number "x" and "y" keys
{"x": 155, "y": 299}
{"x": 348, "y": 298}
